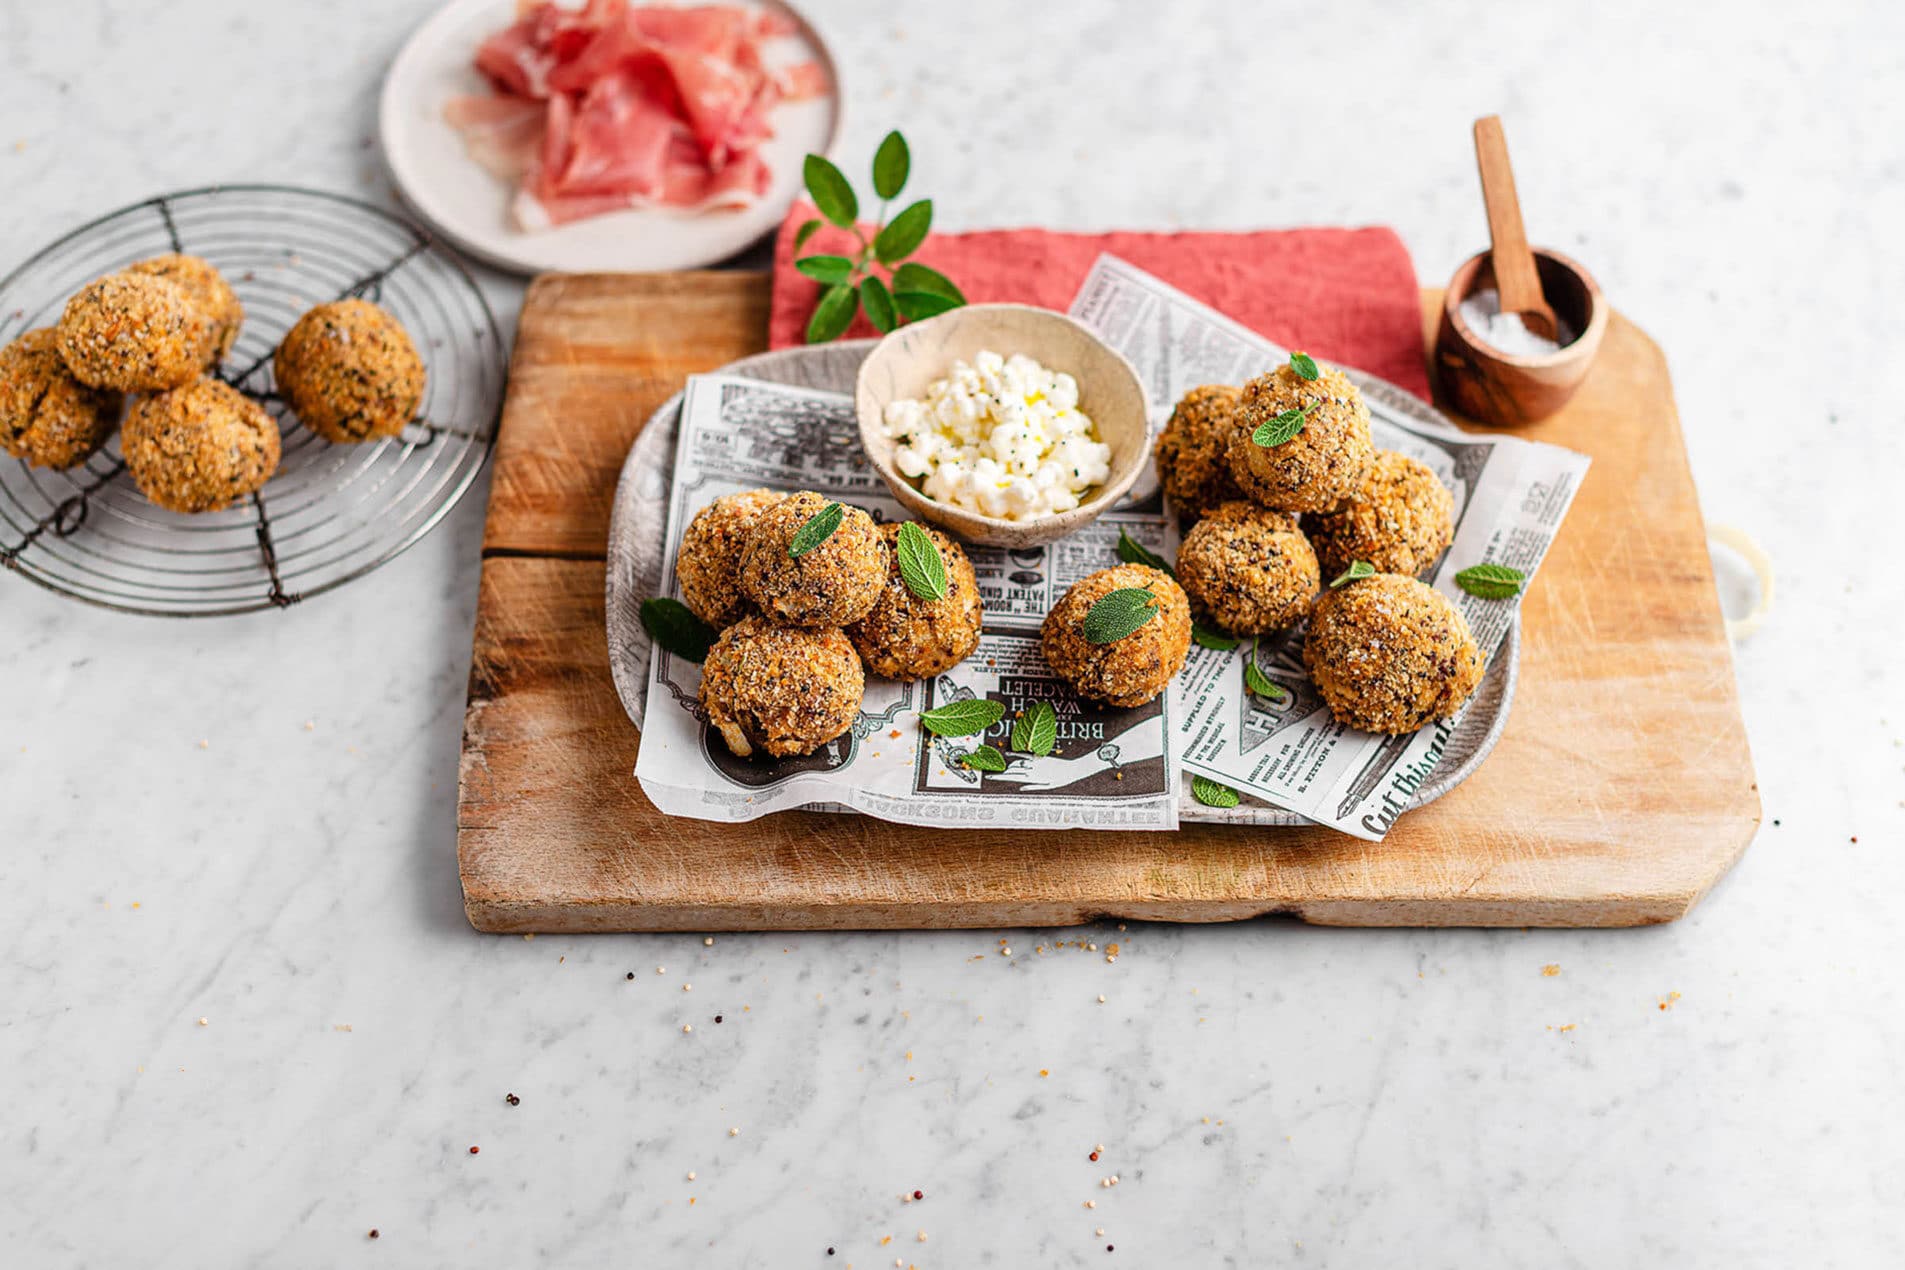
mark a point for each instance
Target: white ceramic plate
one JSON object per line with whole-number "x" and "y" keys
{"x": 468, "y": 206}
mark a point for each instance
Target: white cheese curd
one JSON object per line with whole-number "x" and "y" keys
{"x": 1000, "y": 436}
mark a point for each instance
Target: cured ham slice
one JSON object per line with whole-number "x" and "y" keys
{"x": 615, "y": 105}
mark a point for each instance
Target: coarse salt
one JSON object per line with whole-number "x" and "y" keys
{"x": 1504, "y": 332}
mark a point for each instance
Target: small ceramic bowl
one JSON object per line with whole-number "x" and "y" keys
{"x": 906, "y": 362}
{"x": 1491, "y": 386}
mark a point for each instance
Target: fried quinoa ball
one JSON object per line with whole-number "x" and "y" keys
{"x": 349, "y": 372}
{"x": 135, "y": 332}
{"x": 1389, "y": 654}
{"x": 1193, "y": 451}
{"x": 781, "y": 688}
{"x": 1249, "y": 568}
{"x": 47, "y": 417}
{"x": 907, "y": 638}
{"x": 1129, "y": 671}
{"x": 209, "y": 291}
{"x": 1399, "y": 520}
{"x": 197, "y": 448}
{"x": 835, "y": 584}
{"x": 1318, "y": 467}
{"x": 712, "y": 547}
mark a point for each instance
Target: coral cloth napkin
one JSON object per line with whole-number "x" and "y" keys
{"x": 1345, "y": 295}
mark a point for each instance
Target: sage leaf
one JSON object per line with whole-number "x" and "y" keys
{"x": 1304, "y": 366}
{"x": 673, "y": 626}
{"x": 818, "y": 529}
{"x": 1131, "y": 551}
{"x": 1357, "y": 569}
{"x": 832, "y": 315}
{"x": 986, "y": 758}
{"x": 1261, "y": 684}
{"x": 808, "y": 228}
{"x": 891, "y": 162}
{"x": 830, "y": 191}
{"x": 922, "y": 568}
{"x": 1036, "y": 732}
{"x": 1281, "y": 428}
{"x": 1492, "y": 581}
{"x": 903, "y": 234}
{"x": 1210, "y": 637}
{"x": 1211, "y": 794}
{"x": 878, "y": 303}
{"x": 1118, "y": 614}
{"x": 963, "y": 718}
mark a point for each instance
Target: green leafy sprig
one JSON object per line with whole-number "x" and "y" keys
{"x": 1357, "y": 569}
{"x": 1118, "y": 614}
{"x": 818, "y": 528}
{"x": 1036, "y": 732}
{"x": 963, "y": 718}
{"x": 910, "y": 290}
{"x": 672, "y": 625}
{"x": 1212, "y": 794}
{"x": 1492, "y": 581}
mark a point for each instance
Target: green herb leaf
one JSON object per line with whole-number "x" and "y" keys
{"x": 891, "y": 162}
{"x": 922, "y": 568}
{"x": 1131, "y": 551}
{"x": 1210, "y": 637}
{"x": 1118, "y": 614}
{"x": 673, "y": 626}
{"x": 832, "y": 315}
{"x": 917, "y": 277}
{"x": 986, "y": 758}
{"x": 1036, "y": 732}
{"x": 1357, "y": 569}
{"x": 916, "y": 305}
{"x": 832, "y": 270}
{"x": 818, "y": 529}
{"x": 963, "y": 718}
{"x": 878, "y": 303}
{"x": 1261, "y": 684}
{"x": 830, "y": 191}
{"x": 808, "y": 228}
{"x": 1282, "y": 428}
{"x": 1211, "y": 794}
{"x": 904, "y": 233}
{"x": 1492, "y": 581}
{"x": 1305, "y": 366}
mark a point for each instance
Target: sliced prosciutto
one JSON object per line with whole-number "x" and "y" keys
{"x": 613, "y": 106}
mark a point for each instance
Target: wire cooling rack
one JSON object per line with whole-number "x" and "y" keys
{"x": 331, "y": 513}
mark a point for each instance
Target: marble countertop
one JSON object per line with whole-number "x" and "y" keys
{"x": 247, "y": 1024}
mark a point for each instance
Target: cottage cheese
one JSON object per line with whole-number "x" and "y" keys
{"x": 1000, "y": 436}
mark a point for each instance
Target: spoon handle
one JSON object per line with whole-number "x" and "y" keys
{"x": 1515, "y": 277}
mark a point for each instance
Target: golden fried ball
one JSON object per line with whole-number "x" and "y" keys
{"x": 134, "y": 332}
{"x": 1193, "y": 451}
{"x": 47, "y": 417}
{"x": 780, "y": 688}
{"x": 1129, "y": 671}
{"x": 198, "y": 448}
{"x": 835, "y": 584}
{"x": 1399, "y": 520}
{"x": 349, "y": 372}
{"x": 1389, "y": 654}
{"x": 1318, "y": 467}
{"x": 1249, "y": 568}
{"x": 712, "y": 548}
{"x": 907, "y": 638}
{"x": 209, "y": 291}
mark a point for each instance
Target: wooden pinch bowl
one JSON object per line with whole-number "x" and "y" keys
{"x": 1491, "y": 386}
{"x": 906, "y": 362}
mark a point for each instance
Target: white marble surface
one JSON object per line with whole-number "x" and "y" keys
{"x": 176, "y": 844}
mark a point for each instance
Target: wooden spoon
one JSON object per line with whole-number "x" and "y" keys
{"x": 1514, "y": 265}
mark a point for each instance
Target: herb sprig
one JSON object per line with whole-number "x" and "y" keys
{"x": 1357, "y": 569}
{"x": 1280, "y": 429}
{"x": 910, "y": 290}
{"x": 1118, "y": 614}
{"x": 818, "y": 528}
{"x": 1492, "y": 581}
{"x": 673, "y": 626}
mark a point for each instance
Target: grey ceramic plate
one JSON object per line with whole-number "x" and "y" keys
{"x": 637, "y": 533}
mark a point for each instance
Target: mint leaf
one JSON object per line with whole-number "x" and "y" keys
{"x": 1492, "y": 581}
{"x": 818, "y": 529}
{"x": 673, "y": 626}
{"x": 891, "y": 162}
{"x": 832, "y": 315}
{"x": 1211, "y": 794}
{"x": 922, "y": 568}
{"x": 1261, "y": 684}
{"x": 1210, "y": 637}
{"x": 986, "y": 758}
{"x": 1357, "y": 569}
{"x": 878, "y": 303}
{"x": 830, "y": 191}
{"x": 904, "y": 233}
{"x": 963, "y": 718}
{"x": 1281, "y": 428}
{"x": 1304, "y": 366}
{"x": 1131, "y": 551}
{"x": 1118, "y": 614}
{"x": 1036, "y": 732}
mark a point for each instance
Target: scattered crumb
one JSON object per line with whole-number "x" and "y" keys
{"x": 340, "y": 1027}
{"x": 708, "y": 941}
{"x": 687, "y": 1027}
{"x": 205, "y": 1022}
{"x": 1550, "y": 970}
{"x": 204, "y": 744}
{"x": 1667, "y": 1002}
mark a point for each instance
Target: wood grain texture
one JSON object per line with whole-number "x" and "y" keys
{"x": 1620, "y": 792}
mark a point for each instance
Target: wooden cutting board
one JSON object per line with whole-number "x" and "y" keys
{"x": 1620, "y": 792}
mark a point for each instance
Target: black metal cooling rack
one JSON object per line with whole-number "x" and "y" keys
{"x": 331, "y": 513}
